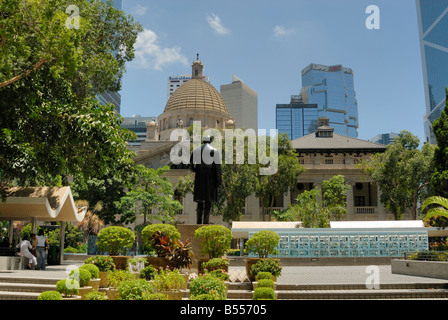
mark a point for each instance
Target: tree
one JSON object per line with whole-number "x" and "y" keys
{"x": 278, "y": 184}
{"x": 441, "y": 208}
{"x": 439, "y": 179}
{"x": 150, "y": 191}
{"x": 334, "y": 195}
{"x": 51, "y": 123}
{"x": 402, "y": 173}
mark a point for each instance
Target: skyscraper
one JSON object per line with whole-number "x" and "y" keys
{"x": 433, "y": 33}
{"x": 175, "y": 82}
{"x": 332, "y": 89}
{"x": 385, "y": 138}
{"x": 113, "y": 97}
{"x": 296, "y": 118}
{"x": 242, "y": 103}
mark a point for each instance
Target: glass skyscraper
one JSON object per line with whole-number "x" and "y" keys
{"x": 332, "y": 89}
{"x": 296, "y": 118}
{"x": 433, "y": 33}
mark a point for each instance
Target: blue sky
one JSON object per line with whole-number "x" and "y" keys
{"x": 267, "y": 43}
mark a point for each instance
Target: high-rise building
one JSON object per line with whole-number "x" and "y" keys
{"x": 332, "y": 89}
{"x": 242, "y": 103}
{"x": 296, "y": 118}
{"x": 176, "y": 81}
{"x": 433, "y": 33}
{"x": 113, "y": 97}
{"x": 137, "y": 124}
{"x": 385, "y": 138}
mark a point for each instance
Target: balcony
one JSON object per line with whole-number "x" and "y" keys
{"x": 366, "y": 210}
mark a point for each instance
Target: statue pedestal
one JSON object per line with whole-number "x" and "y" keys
{"x": 187, "y": 233}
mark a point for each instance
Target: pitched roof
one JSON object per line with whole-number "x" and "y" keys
{"x": 336, "y": 142}
{"x": 43, "y": 203}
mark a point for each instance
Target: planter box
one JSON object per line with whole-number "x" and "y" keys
{"x": 83, "y": 291}
{"x": 121, "y": 262}
{"x": 173, "y": 295}
{"x": 103, "y": 279}
{"x": 430, "y": 269}
{"x": 94, "y": 283}
{"x": 255, "y": 285}
{"x": 112, "y": 294}
{"x": 158, "y": 262}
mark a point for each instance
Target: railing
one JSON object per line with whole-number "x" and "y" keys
{"x": 427, "y": 255}
{"x": 268, "y": 211}
{"x": 365, "y": 210}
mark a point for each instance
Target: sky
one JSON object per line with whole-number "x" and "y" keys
{"x": 266, "y": 43}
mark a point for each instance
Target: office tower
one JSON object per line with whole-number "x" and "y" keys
{"x": 112, "y": 96}
{"x": 385, "y": 138}
{"x": 242, "y": 103}
{"x": 176, "y": 81}
{"x": 296, "y": 118}
{"x": 433, "y": 33}
{"x": 332, "y": 89}
{"x": 137, "y": 124}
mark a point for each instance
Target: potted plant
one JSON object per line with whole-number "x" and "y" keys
{"x": 104, "y": 264}
{"x": 135, "y": 265}
{"x": 161, "y": 238}
{"x": 182, "y": 257}
{"x": 134, "y": 289}
{"x": 148, "y": 273}
{"x": 207, "y": 287}
{"x": 269, "y": 265}
{"x": 261, "y": 244}
{"x": 94, "y": 275}
{"x": 83, "y": 276}
{"x": 96, "y": 295}
{"x": 219, "y": 268}
{"x": 68, "y": 288}
{"x": 264, "y": 293}
{"x": 170, "y": 282}
{"x": 50, "y": 295}
{"x": 115, "y": 278}
{"x": 116, "y": 241}
{"x": 264, "y": 279}
{"x": 215, "y": 241}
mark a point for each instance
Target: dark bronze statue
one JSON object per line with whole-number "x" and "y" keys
{"x": 205, "y": 162}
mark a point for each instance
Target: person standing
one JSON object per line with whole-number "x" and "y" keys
{"x": 41, "y": 250}
{"x": 25, "y": 247}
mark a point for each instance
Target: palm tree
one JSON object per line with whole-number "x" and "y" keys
{"x": 440, "y": 210}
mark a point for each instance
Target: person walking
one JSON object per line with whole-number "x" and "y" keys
{"x": 25, "y": 247}
{"x": 41, "y": 250}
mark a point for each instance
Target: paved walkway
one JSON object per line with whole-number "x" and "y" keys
{"x": 303, "y": 275}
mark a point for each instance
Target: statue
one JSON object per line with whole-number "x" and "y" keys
{"x": 180, "y": 124}
{"x": 208, "y": 178}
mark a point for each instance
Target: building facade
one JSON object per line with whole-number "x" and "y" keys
{"x": 296, "y": 118}
{"x": 242, "y": 103}
{"x": 137, "y": 124}
{"x": 385, "y": 138}
{"x": 332, "y": 89}
{"x": 433, "y": 34}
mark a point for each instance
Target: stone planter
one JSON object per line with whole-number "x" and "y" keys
{"x": 249, "y": 263}
{"x": 94, "y": 283}
{"x": 72, "y": 298}
{"x": 158, "y": 262}
{"x": 430, "y": 269}
{"x": 121, "y": 262}
{"x": 200, "y": 263}
{"x": 103, "y": 279}
{"x": 172, "y": 294}
{"x": 112, "y": 294}
{"x": 83, "y": 291}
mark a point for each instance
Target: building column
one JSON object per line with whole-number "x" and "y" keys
{"x": 350, "y": 203}
{"x": 61, "y": 242}
{"x": 34, "y": 225}
{"x": 381, "y": 215}
{"x": 287, "y": 199}
{"x": 11, "y": 233}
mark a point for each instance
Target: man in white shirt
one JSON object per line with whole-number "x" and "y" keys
{"x": 25, "y": 247}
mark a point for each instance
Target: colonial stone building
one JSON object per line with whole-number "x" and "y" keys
{"x": 324, "y": 154}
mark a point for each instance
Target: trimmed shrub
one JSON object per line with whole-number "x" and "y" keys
{"x": 208, "y": 284}
{"x": 116, "y": 277}
{"x": 115, "y": 240}
{"x": 263, "y": 243}
{"x": 216, "y": 240}
{"x": 67, "y": 287}
{"x": 264, "y": 293}
{"x": 263, "y": 275}
{"x": 265, "y": 283}
{"x": 93, "y": 269}
{"x": 50, "y": 295}
{"x": 154, "y": 296}
{"x": 151, "y": 237}
{"x": 267, "y": 265}
{"x": 83, "y": 276}
{"x": 216, "y": 264}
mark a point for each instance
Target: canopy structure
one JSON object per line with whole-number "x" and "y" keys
{"x": 41, "y": 204}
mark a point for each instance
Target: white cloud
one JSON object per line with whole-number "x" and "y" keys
{"x": 140, "y": 10}
{"x": 281, "y": 32}
{"x": 149, "y": 54}
{"x": 215, "y": 22}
